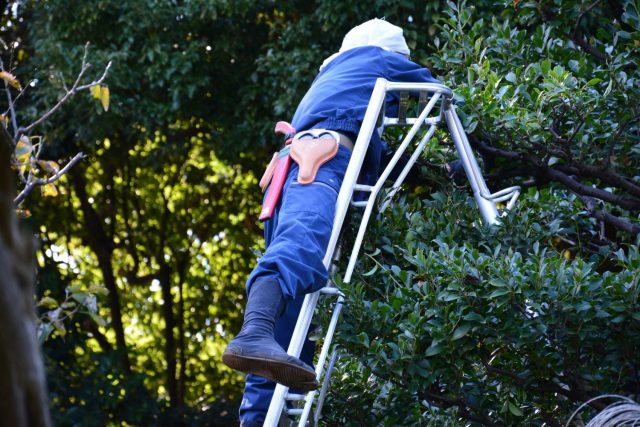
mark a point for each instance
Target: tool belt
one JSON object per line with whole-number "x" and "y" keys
{"x": 310, "y": 149}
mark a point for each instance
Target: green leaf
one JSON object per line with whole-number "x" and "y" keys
{"x": 97, "y": 318}
{"x": 371, "y": 272}
{"x": 515, "y": 410}
{"x": 434, "y": 349}
{"x": 498, "y": 293}
{"x": 47, "y": 302}
{"x": 461, "y": 331}
{"x": 473, "y": 317}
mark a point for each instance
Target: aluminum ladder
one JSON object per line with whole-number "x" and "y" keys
{"x": 439, "y": 110}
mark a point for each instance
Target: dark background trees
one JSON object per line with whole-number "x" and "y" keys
{"x": 162, "y": 212}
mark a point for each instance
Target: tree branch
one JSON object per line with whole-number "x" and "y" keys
{"x": 461, "y": 405}
{"x": 572, "y": 184}
{"x": 607, "y": 176}
{"x": 76, "y": 87}
{"x": 619, "y": 223}
{"x": 487, "y": 149}
{"x": 33, "y": 184}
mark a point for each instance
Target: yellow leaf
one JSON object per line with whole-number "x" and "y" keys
{"x": 104, "y": 97}
{"x": 49, "y": 190}
{"x": 23, "y": 149}
{"x": 95, "y": 91}
{"x": 48, "y": 302}
{"x": 49, "y": 166}
{"x": 11, "y": 79}
{"x": 97, "y": 289}
{"x": 23, "y": 213}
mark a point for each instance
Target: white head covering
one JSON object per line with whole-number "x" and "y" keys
{"x": 375, "y": 32}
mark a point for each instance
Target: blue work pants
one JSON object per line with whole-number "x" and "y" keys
{"x": 296, "y": 240}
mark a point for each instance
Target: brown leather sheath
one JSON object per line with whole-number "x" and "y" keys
{"x": 310, "y": 154}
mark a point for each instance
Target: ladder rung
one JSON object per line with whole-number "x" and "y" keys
{"x": 411, "y": 121}
{"x": 362, "y": 187}
{"x": 330, "y": 290}
{"x": 295, "y": 411}
{"x": 294, "y": 396}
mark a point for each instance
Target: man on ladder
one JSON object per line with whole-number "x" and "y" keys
{"x": 300, "y": 205}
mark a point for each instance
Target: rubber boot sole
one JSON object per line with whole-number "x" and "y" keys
{"x": 288, "y": 374}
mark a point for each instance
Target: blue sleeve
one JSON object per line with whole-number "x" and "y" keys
{"x": 400, "y": 69}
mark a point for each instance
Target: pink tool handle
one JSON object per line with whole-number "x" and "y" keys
{"x": 275, "y": 188}
{"x": 284, "y": 128}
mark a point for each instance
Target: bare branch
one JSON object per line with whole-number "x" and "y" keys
{"x": 33, "y": 184}
{"x": 7, "y": 90}
{"x": 607, "y": 176}
{"x": 485, "y": 148}
{"x": 617, "y": 222}
{"x": 76, "y": 87}
{"x": 578, "y": 187}
{"x": 11, "y": 109}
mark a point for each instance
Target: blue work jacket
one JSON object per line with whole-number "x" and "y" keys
{"x": 339, "y": 96}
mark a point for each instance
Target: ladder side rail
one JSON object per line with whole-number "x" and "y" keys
{"x": 326, "y": 346}
{"x": 405, "y": 171}
{"x": 414, "y": 157}
{"x": 342, "y": 204}
{"x": 376, "y": 188}
{"x": 487, "y": 208}
{"x": 325, "y": 386}
{"x": 417, "y": 123}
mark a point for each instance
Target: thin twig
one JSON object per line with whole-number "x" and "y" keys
{"x": 33, "y": 184}
{"x": 76, "y": 87}
{"x": 12, "y": 104}
{"x": 582, "y": 15}
{"x": 7, "y": 90}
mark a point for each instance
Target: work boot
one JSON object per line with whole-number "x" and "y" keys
{"x": 255, "y": 351}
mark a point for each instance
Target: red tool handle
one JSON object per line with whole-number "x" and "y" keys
{"x": 275, "y": 188}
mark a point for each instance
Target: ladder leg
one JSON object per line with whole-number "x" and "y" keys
{"x": 487, "y": 208}
{"x": 325, "y": 386}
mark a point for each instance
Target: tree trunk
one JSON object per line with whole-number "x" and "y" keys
{"x": 102, "y": 245}
{"x": 23, "y": 395}
{"x": 169, "y": 333}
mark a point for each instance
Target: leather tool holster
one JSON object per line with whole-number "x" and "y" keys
{"x": 311, "y": 149}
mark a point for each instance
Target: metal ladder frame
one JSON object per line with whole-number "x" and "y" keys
{"x": 486, "y": 202}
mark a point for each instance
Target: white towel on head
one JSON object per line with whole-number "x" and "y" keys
{"x": 375, "y": 32}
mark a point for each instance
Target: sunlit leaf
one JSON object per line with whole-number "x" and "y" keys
{"x": 23, "y": 213}
{"x": 48, "y": 302}
{"x": 97, "y": 289}
{"x": 104, "y": 97}
{"x": 23, "y": 149}
{"x": 10, "y": 79}
{"x": 49, "y": 166}
{"x": 95, "y": 91}
{"x": 49, "y": 190}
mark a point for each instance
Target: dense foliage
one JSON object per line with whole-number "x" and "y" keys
{"x": 452, "y": 322}
{"x": 447, "y": 321}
